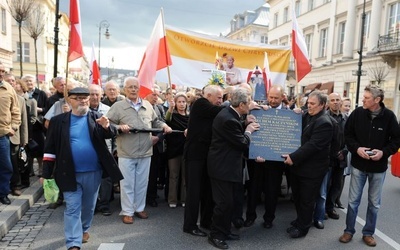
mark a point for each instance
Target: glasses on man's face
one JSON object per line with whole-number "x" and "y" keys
{"x": 80, "y": 98}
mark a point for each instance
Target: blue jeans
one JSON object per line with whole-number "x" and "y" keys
{"x": 6, "y": 168}
{"x": 357, "y": 183}
{"x": 319, "y": 211}
{"x": 80, "y": 205}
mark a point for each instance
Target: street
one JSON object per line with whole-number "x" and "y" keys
{"x": 163, "y": 229}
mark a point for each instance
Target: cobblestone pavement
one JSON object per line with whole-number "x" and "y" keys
{"x": 27, "y": 228}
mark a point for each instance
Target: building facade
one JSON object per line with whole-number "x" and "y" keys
{"x": 6, "y": 49}
{"x": 333, "y": 30}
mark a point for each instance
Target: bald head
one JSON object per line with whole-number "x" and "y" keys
{"x": 334, "y": 102}
{"x": 275, "y": 96}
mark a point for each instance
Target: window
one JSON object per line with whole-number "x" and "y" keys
{"x": 3, "y": 21}
{"x": 322, "y": 42}
{"x": 366, "y": 28}
{"x": 25, "y": 52}
{"x": 276, "y": 20}
{"x": 297, "y": 7}
{"x": 285, "y": 14}
{"x": 394, "y": 18}
{"x": 264, "y": 39}
{"x": 310, "y": 5}
{"x": 308, "y": 40}
{"x": 341, "y": 31}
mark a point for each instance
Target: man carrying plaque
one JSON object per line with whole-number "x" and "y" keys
{"x": 309, "y": 163}
{"x": 230, "y": 139}
{"x": 266, "y": 174}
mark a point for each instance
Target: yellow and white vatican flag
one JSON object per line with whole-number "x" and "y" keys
{"x": 193, "y": 53}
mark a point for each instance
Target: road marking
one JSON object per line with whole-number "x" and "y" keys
{"x": 378, "y": 233}
{"x": 111, "y": 246}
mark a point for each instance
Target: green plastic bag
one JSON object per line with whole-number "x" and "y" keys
{"x": 51, "y": 190}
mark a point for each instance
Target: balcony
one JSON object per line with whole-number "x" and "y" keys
{"x": 389, "y": 42}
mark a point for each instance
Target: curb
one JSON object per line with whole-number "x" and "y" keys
{"x": 12, "y": 213}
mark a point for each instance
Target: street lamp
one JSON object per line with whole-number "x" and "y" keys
{"x": 360, "y": 71}
{"x": 103, "y": 24}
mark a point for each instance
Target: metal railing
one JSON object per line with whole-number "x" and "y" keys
{"x": 390, "y": 41}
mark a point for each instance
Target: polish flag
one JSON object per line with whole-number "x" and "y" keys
{"x": 95, "y": 77}
{"x": 156, "y": 57}
{"x": 266, "y": 73}
{"x": 299, "y": 50}
{"x": 75, "y": 49}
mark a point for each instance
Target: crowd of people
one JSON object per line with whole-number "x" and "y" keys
{"x": 194, "y": 145}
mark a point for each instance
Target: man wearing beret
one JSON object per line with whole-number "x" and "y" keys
{"x": 75, "y": 143}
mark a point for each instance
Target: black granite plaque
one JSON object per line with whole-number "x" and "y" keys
{"x": 280, "y": 133}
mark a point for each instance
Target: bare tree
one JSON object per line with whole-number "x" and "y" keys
{"x": 34, "y": 27}
{"x": 378, "y": 70}
{"x": 20, "y": 11}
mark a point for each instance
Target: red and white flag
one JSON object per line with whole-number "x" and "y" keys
{"x": 75, "y": 49}
{"x": 299, "y": 50}
{"x": 266, "y": 73}
{"x": 156, "y": 57}
{"x": 95, "y": 78}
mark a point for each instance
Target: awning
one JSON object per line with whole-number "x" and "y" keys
{"x": 311, "y": 87}
{"x": 327, "y": 87}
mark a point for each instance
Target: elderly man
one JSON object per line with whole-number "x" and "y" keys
{"x": 20, "y": 139}
{"x": 195, "y": 153}
{"x": 105, "y": 192}
{"x": 309, "y": 163}
{"x": 230, "y": 139}
{"x": 134, "y": 149}
{"x": 233, "y": 75}
{"x": 112, "y": 94}
{"x": 59, "y": 84}
{"x": 372, "y": 135}
{"x": 10, "y": 120}
{"x": 75, "y": 143}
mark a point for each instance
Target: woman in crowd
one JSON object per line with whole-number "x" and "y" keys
{"x": 177, "y": 118}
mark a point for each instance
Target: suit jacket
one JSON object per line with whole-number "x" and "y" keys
{"x": 58, "y": 144}
{"x": 228, "y": 144}
{"x": 199, "y": 132}
{"x": 312, "y": 158}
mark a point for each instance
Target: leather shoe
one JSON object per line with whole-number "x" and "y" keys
{"x": 267, "y": 224}
{"x": 238, "y": 223}
{"x": 296, "y": 233}
{"x": 16, "y": 192}
{"x": 196, "y": 232}
{"x": 369, "y": 240}
{"x": 333, "y": 215}
{"x": 127, "y": 219}
{"x": 319, "y": 224}
{"x": 289, "y": 229}
{"x": 338, "y": 204}
{"x": 293, "y": 222}
{"x": 248, "y": 222}
{"x": 346, "y": 238}
{"x": 152, "y": 203}
{"x": 5, "y": 200}
{"x": 105, "y": 211}
{"x": 85, "y": 237}
{"x": 233, "y": 237}
{"x": 142, "y": 215}
{"x": 221, "y": 244}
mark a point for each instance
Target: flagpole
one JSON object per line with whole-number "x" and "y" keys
{"x": 165, "y": 46}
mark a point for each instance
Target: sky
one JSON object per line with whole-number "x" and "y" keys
{"x": 131, "y": 23}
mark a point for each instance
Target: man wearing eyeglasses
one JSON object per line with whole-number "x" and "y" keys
{"x": 76, "y": 144}
{"x": 10, "y": 120}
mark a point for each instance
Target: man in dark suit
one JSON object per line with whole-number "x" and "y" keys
{"x": 75, "y": 142}
{"x": 310, "y": 162}
{"x": 229, "y": 141}
{"x": 195, "y": 152}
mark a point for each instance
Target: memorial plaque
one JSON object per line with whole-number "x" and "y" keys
{"x": 280, "y": 133}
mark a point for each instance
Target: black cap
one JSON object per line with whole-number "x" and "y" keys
{"x": 79, "y": 91}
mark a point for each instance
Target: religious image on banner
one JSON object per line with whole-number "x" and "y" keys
{"x": 256, "y": 79}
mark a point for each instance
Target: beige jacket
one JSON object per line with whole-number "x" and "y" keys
{"x": 134, "y": 145}
{"x": 10, "y": 116}
{"x": 21, "y": 136}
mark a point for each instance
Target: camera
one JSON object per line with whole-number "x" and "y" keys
{"x": 370, "y": 153}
